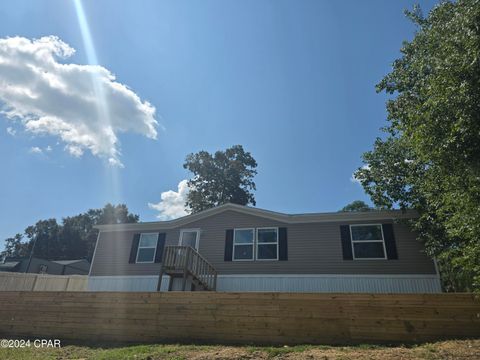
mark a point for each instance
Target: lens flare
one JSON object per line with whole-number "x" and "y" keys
{"x": 111, "y": 175}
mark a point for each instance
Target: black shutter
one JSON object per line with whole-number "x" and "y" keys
{"x": 160, "y": 246}
{"x": 389, "y": 238}
{"x": 346, "y": 242}
{"x": 228, "y": 245}
{"x": 133, "y": 250}
{"x": 282, "y": 244}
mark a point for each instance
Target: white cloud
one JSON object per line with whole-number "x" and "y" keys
{"x": 35, "y": 150}
{"x": 82, "y": 105}
{"x": 39, "y": 150}
{"x": 172, "y": 203}
{"x": 11, "y": 131}
{"x": 354, "y": 180}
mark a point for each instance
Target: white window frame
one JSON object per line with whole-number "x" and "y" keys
{"x": 146, "y": 247}
{"x": 265, "y": 243}
{"x": 253, "y": 244}
{"x": 197, "y": 239}
{"x": 366, "y": 241}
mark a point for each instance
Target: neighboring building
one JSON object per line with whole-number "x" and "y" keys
{"x": 10, "y": 265}
{"x": 74, "y": 267}
{"x": 42, "y": 266}
{"x": 259, "y": 250}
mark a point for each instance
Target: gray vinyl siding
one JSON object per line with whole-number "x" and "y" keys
{"x": 112, "y": 254}
{"x": 313, "y": 248}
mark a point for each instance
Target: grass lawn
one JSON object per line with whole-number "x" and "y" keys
{"x": 461, "y": 349}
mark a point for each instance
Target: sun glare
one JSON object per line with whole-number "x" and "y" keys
{"x": 111, "y": 171}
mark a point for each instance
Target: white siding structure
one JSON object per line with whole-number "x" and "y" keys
{"x": 126, "y": 283}
{"x": 284, "y": 283}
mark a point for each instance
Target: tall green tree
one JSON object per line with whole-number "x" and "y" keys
{"x": 45, "y": 235}
{"x": 429, "y": 159}
{"x": 73, "y": 238}
{"x": 15, "y": 247}
{"x": 226, "y": 176}
{"x": 357, "y": 205}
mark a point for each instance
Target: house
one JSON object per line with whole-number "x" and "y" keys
{"x": 74, "y": 267}
{"x": 239, "y": 248}
{"x": 42, "y": 266}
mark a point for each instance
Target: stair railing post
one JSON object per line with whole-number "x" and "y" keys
{"x": 214, "y": 280}
{"x": 160, "y": 276}
{"x": 185, "y": 269}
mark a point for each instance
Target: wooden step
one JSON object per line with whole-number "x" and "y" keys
{"x": 184, "y": 261}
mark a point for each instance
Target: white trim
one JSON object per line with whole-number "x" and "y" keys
{"x": 253, "y": 244}
{"x": 385, "y": 257}
{"x": 197, "y": 238}
{"x": 375, "y": 215}
{"x": 267, "y": 243}
{"x": 146, "y": 247}
{"x": 94, "y": 253}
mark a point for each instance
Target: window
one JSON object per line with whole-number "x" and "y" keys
{"x": 367, "y": 242}
{"x": 259, "y": 244}
{"x": 267, "y": 244}
{"x": 189, "y": 238}
{"x": 243, "y": 244}
{"x": 147, "y": 247}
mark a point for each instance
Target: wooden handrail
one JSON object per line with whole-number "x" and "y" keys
{"x": 187, "y": 260}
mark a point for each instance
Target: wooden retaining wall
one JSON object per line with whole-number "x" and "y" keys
{"x": 257, "y": 318}
{"x": 42, "y": 282}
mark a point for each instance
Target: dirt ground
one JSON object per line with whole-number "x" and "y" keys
{"x": 441, "y": 350}
{"x": 454, "y": 349}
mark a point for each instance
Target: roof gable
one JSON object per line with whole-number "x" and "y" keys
{"x": 271, "y": 215}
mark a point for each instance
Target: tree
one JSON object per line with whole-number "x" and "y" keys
{"x": 45, "y": 235}
{"x": 226, "y": 176}
{"x": 112, "y": 214}
{"x": 14, "y": 247}
{"x": 429, "y": 159}
{"x": 357, "y": 205}
{"x": 74, "y": 238}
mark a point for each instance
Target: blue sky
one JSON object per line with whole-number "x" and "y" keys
{"x": 292, "y": 81}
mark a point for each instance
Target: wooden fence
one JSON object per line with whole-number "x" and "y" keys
{"x": 257, "y": 318}
{"x": 42, "y": 282}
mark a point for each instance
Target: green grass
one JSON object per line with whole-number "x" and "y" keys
{"x": 440, "y": 350}
{"x": 137, "y": 352}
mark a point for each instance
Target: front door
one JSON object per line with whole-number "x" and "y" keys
{"x": 189, "y": 237}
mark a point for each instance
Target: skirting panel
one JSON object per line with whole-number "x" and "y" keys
{"x": 332, "y": 283}
{"x": 284, "y": 283}
{"x": 126, "y": 283}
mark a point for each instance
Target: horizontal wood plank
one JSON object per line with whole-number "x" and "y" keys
{"x": 261, "y": 318}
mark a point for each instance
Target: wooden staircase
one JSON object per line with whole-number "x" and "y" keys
{"x": 186, "y": 263}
